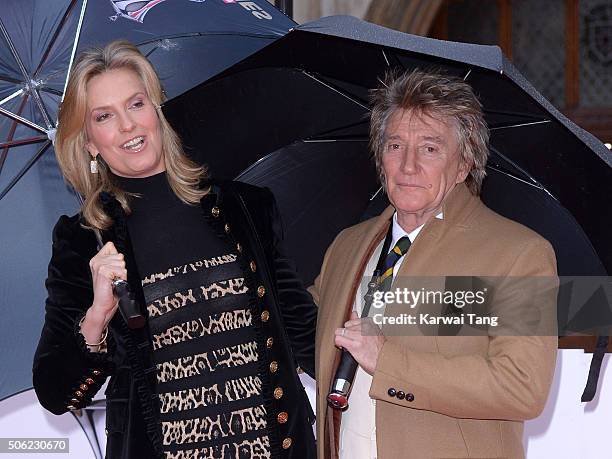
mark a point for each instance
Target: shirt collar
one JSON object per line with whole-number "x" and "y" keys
{"x": 398, "y": 232}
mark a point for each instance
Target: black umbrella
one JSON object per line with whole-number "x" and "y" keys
{"x": 313, "y": 84}
{"x": 311, "y": 87}
{"x": 188, "y": 41}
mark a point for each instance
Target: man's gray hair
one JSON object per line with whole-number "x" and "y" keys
{"x": 439, "y": 96}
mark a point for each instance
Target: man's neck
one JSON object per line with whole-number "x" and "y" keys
{"x": 411, "y": 221}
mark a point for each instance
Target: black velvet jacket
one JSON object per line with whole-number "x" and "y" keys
{"x": 67, "y": 375}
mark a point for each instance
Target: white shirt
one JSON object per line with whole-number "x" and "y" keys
{"x": 358, "y": 426}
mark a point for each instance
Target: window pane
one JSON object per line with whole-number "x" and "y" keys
{"x": 473, "y": 21}
{"x": 595, "y": 53}
{"x": 538, "y": 45}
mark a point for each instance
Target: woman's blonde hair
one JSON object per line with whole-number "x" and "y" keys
{"x": 183, "y": 174}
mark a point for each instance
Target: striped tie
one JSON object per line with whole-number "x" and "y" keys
{"x": 398, "y": 251}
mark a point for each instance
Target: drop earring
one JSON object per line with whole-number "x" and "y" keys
{"x": 93, "y": 166}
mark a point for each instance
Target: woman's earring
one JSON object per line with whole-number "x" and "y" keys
{"x": 93, "y": 166}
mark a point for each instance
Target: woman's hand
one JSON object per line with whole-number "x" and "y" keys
{"x": 106, "y": 266}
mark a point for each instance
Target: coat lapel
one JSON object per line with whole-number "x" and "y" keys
{"x": 137, "y": 342}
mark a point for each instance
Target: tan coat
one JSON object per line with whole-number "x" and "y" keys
{"x": 471, "y": 393}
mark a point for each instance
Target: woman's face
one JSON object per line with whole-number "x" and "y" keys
{"x": 122, "y": 124}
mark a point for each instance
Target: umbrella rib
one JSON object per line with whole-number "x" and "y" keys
{"x": 13, "y": 50}
{"x": 380, "y": 188}
{"x": 27, "y": 78}
{"x": 12, "y": 96}
{"x": 533, "y": 182}
{"x": 22, "y": 120}
{"x": 385, "y": 56}
{"x": 55, "y": 92}
{"x": 335, "y": 130}
{"x": 42, "y": 108}
{"x": 342, "y": 93}
{"x": 16, "y": 143}
{"x": 515, "y": 114}
{"x": 501, "y": 171}
{"x": 204, "y": 34}
{"x": 75, "y": 44}
{"x": 55, "y": 35}
{"x": 9, "y": 79}
{"x": 508, "y": 126}
{"x": 25, "y": 168}
{"x": 11, "y": 132}
{"x": 348, "y": 139}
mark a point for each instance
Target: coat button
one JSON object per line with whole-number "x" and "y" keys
{"x": 299, "y": 370}
{"x": 253, "y": 266}
{"x": 74, "y": 400}
{"x": 89, "y": 381}
{"x": 278, "y": 393}
{"x": 71, "y": 407}
{"x": 261, "y": 291}
{"x": 227, "y": 228}
{"x": 401, "y": 395}
{"x": 269, "y": 342}
{"x": 106, "y": 432}
{"x": 239, "y": 248}
{"x": 287, "y": 443}
{"x": 265, "y": 315}
{"x": 273, "y": 366}
{"x": 78, "y": 393}
{"x": 410, "y": 397}
{"x": 84, "y": 387}
{"x": 282, "y": 417}
{"x": 391, "y": 392}
{"x": 96, "y": 372}
{"x": 215, "y": 211}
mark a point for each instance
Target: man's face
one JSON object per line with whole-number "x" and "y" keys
{"x": 421, "y": 163}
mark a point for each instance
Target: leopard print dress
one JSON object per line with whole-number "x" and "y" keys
{"x": 202, "y": 333}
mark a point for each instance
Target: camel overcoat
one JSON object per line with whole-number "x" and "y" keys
{"x": 466, "y": 396}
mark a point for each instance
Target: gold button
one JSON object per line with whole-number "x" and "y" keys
{"x": 239, "y": 248}
{"x": 261, "y": 291}
{"x": 287, "y": 443}
{"x": 299, "y": 370}
{"x": 71, "y": 408}
{"x": 282, "y": 417}
{"x": 89, "y": 381}
{"x": 78, "y": 393}
{"x": 273, "y": 366}
{"x": 278, "y": 393}
{"x": 227, "y": 228}
{"x": 96, "y": 372}
{"x": 265, "y": 315}
{"x": 253, "y": 266}
{"x": 84, "y": 387}
{"x": 74, "y": 400}
{"x": 269, "y": 342}
{"x": 215, "y": 211}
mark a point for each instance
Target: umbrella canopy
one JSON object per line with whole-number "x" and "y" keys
{"x": 188, "y": 41}
{"x": 313, "y": 84}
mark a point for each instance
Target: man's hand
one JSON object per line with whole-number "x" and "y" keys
{"x": 363, "y": 339}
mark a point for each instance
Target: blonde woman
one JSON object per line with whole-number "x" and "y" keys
{"x": 214, "y": 371}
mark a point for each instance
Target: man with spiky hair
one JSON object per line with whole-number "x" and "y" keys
{"x": 428, "y": 395}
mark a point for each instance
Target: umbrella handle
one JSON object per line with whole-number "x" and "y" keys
{"x": 127, "y": 306}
